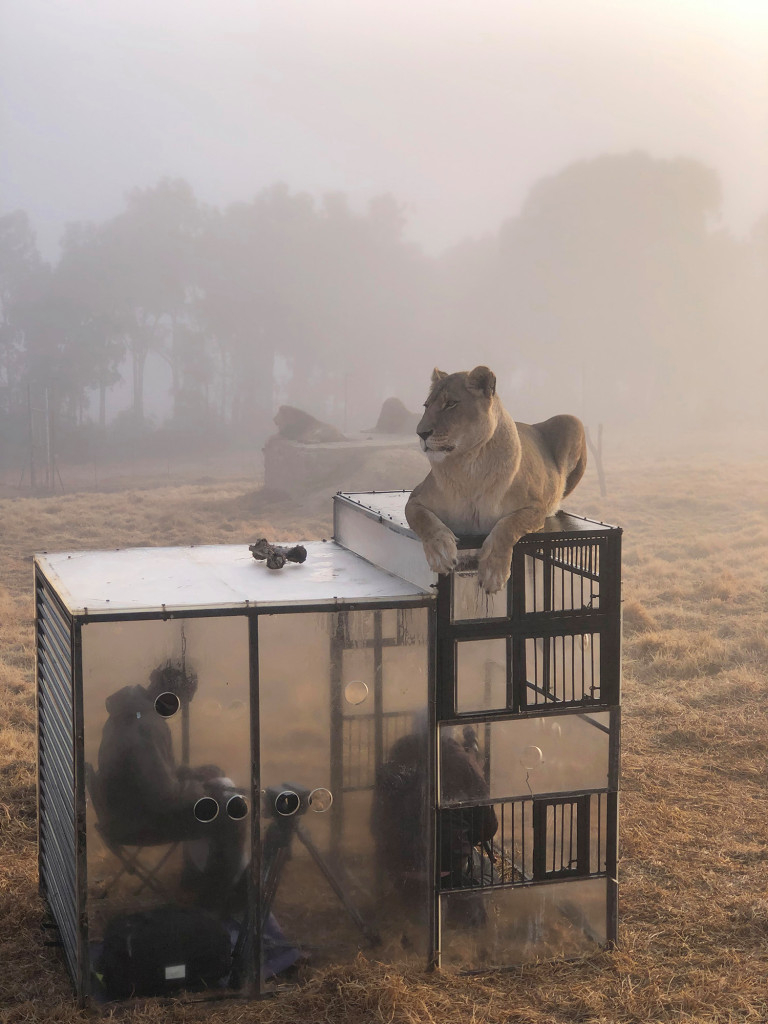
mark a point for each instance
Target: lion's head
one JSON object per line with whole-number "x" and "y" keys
{"x": 460, "y": 413}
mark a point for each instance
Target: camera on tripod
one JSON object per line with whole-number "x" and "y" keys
{"x": 285, "y": 804}
{"x": 287, "y": 800}
{"x": 290, "y": 800}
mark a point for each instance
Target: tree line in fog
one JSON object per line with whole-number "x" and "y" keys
{"x": 615, "y": 293}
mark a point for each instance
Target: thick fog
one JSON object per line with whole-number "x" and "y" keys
{"x": 209, "y": 209}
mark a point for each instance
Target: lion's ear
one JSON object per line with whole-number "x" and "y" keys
{"x": 437, "y": 375}
{"x": 483, "y": 379}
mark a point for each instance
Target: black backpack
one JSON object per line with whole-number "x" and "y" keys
{"x": 161, "y": 951}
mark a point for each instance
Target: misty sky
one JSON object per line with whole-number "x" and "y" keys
{"x": 454, "y": 106}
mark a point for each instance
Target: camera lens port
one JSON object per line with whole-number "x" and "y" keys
{"x": 206, "y": 809}
{"x": 287, "y": 803}
{"x": 237, "y": 807}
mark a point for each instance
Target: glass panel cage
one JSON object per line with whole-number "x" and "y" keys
{"x": 280, "y": 770}
{"x": 343, "y": 722}
{"x": 166, "y": 737}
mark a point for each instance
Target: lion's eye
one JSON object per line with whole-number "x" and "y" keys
{"x": 451, "y": 405}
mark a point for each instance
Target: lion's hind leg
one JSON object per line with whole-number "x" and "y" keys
{"x": 566, "y": 440}
{"x": 577, "y": 472}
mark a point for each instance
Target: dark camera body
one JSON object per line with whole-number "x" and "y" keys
{"x": 287, "y": 800}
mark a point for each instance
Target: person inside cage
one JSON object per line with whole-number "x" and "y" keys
{"x": 464, "y": 831}
{"x": 146, "y": 798}
{"x": 398, "y": 818}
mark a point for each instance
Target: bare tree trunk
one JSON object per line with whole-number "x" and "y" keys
{"x": 139, "y": 357}
{"x": 174, "y": 361}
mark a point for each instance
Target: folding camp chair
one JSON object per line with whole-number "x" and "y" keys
{"x": 128, "y": 854}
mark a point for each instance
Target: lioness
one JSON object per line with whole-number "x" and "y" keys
{"x": 489, "y": 474}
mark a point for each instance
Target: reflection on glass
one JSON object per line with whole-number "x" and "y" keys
{"x": 356, "y": 869}
{"x": 162, "y": 766}
{"x": 481, "y": 675}
{"x": 543, "y": 754}
{"x": 500, "y": 927}
{"x": 470, "y": 601}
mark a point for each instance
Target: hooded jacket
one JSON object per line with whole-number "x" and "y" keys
{"x": 140, "y": 789}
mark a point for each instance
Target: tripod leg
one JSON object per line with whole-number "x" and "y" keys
{"x": 370, "y": 934}
{"x": 271, "y": 881}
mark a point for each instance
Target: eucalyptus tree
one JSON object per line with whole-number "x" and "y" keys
{"x": 611, "y": 275}
{"x": 20, "y": 265}
{"x": 145, "y": 281}
{"x": 257, "y": 281}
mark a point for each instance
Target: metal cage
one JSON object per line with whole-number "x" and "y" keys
{"x": 344, "y": 705}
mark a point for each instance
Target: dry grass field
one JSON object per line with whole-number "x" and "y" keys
{"x": 694, "y": 814}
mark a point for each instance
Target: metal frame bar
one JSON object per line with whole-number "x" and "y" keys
{"x": 252, "y": 945}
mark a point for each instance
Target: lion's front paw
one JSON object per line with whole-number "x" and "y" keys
{"x": 494, "y": 565}
{"x": 441, "y": 552}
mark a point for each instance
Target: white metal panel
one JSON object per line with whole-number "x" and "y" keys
{"x": 221, "y": 576}
{"x": 388, "y": 506}
{"x": 383, "y": 541}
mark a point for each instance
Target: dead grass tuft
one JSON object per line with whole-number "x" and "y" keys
{"x": 637, "y": 618}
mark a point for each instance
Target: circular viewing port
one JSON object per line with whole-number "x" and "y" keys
{"x": 355, "y": 692}
{"x": 237, "y": 807}
{"x": 167, "y": 704}
{"x": 320, "y": 800}
{"x": 531, "y": 758}
{"x": 206, "y": 809}
{"x": 287, "y": 803}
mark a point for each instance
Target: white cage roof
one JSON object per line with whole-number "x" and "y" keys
{"x": 221, "y": 576}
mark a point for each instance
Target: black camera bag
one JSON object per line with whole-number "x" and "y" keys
{"x": 161, "y": 951}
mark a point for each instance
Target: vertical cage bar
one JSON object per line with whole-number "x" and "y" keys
{"x": 337, "y": 643}
{"x": 252, "y": 943}
{"x": 445, "y": 681}
{"x": 547, "y": 576}
{"x": 378, "y": 693}
{"x": 583, "y": 829}
{"x": 432, "y": 788}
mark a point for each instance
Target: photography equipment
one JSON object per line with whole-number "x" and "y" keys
{"x": 163, "y": 950}
{"x": 275, "y": 555}
{"x": 286, "y": 800}
{"x": 285, "y": 805}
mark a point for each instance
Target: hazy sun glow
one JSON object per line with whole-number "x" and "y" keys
{"x": 454, "y": 106}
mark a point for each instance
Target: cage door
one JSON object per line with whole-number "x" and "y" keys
{"x": 561, "y": 838}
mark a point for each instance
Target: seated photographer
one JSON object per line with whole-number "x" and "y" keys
{"x": 398, "y": 819}
{"x": 145, "y": 798}
{"x": 464, "y": 829}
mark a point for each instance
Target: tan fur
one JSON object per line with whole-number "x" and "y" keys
{"x": 489, "y": 474}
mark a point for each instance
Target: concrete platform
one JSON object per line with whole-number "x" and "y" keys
{"x": 297, "y": 469}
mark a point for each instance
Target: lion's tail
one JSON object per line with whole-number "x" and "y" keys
{"x": 578, "y": 470}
